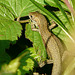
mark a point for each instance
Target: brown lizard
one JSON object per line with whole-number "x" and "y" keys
{"x": 52, "y": 43}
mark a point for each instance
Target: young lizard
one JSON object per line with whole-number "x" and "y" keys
{"x": 52, "y": 43}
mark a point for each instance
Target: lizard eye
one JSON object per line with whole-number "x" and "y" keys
{"x": 31, "y": 16}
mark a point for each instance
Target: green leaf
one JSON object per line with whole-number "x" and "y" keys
{"x": 72, "y": 2}
{"x": 35, "y": 37}
{"x": 27, "y": 61}
{"x": 57, "y": 31}
{"x": 62, "y": 10}
{"x": 53, "y": 4}
{"x": 18, "y": 8}
{"x": 41, "y": 2}
{"x": 6, "y": 13}
{"x": 9, "y": 30}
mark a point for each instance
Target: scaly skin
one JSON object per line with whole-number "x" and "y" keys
{"x": 52, "y": 43}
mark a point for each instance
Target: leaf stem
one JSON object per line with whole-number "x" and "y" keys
{"x": 18, "y": 18}
{"x": 68, "y": 34}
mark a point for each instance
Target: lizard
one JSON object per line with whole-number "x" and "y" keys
{"x": 52, "y": 44}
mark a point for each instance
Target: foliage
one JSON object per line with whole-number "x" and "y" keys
{"x": 21, "y": 51}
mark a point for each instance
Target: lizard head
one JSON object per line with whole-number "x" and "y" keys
{"x": 34, "y": 17}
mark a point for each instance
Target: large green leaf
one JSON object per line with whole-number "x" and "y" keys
{"x": 35, "y": 37}
{"x": 5, "y": 13}
{"x": 9, "y": 30}
{"x": 18, "y": 8}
